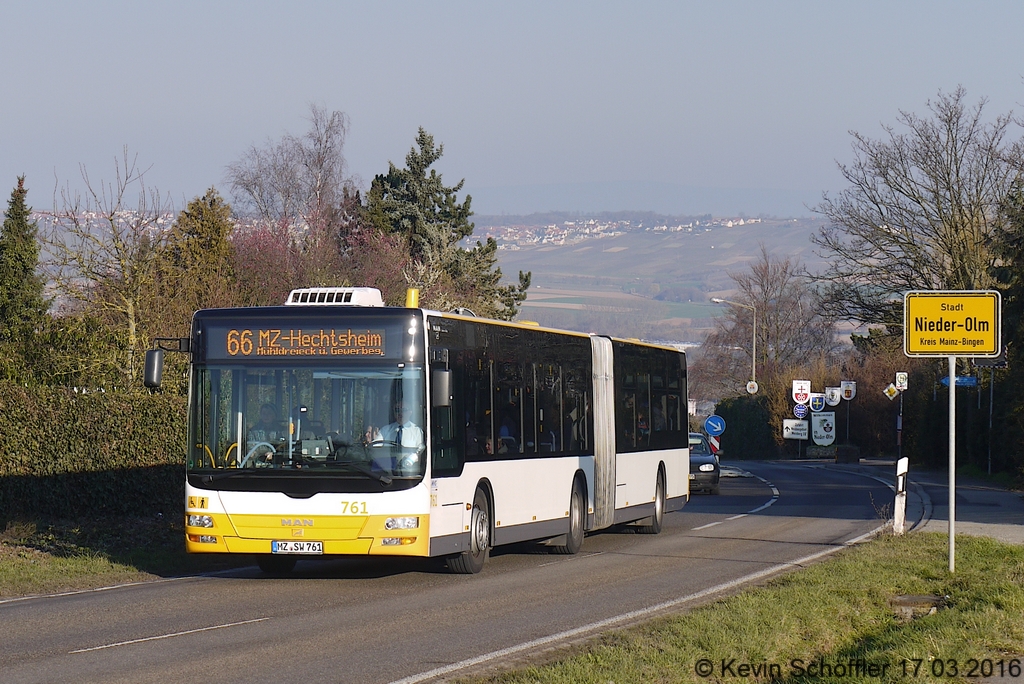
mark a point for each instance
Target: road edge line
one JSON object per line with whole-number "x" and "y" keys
{"x": 633, "y": 615}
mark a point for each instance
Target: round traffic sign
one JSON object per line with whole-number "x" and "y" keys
{"x": 714, "y": 425}
{"x": 751, "y": 387}
{"x": 800, "y": 410}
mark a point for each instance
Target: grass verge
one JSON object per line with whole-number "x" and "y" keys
{"x": 835, "y": 616}
{"x": 48, "y": 556}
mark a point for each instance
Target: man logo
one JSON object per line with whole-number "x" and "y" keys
{"x": 296, "y": 522}
{"x": 817, "y": 402}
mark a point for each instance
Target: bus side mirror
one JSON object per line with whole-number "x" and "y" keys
{"x": 154, "y": 368}
{"x": 441, "y": 388}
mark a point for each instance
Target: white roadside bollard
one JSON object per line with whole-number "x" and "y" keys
{"x": 899, "y": 520}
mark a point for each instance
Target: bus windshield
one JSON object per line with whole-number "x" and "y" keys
{"x": 362, "y": 419}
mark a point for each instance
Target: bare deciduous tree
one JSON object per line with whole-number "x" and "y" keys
{"x": 920, "y": 209}
{"x": 102, "y": 247}
{"x": 791, "y": 329}
{"x": 298, "y": 181}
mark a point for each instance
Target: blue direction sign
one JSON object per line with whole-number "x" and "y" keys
{"x": 961, "y": 381}
{"x": 714, "y": 425}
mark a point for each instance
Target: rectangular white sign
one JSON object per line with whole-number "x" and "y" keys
{"x": 794, "y": 429}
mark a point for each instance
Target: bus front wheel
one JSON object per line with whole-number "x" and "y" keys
{"x": 471, "y": 561}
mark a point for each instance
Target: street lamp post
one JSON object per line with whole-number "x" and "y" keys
{"x": 753, "y": 343}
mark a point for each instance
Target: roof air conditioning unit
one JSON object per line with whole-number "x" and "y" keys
{"x": 335, "y": 296}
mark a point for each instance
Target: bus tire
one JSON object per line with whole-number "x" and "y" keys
{"x": 276, "y": 565}
{"x": 654, "y": 526}
{"x": 471, "y": 561}
{"x": 574, "y": 535}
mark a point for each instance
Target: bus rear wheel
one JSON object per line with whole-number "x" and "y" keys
{"x": 574, "y": 536}
{"x": 656, "y": 520}
{"x": 471, "y": 561}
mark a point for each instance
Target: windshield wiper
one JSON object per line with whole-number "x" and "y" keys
{"x": 358, "y": 466}
{"x": 207, "y": 479}
{"x": 297, "y": 463}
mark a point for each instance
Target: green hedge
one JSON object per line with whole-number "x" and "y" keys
{"x": 69, "y": 454}
{"x": 749, "y": 433}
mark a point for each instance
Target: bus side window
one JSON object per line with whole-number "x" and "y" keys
{"x": 445, "y": 459}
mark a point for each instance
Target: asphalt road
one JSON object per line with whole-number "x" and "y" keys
{"x": 367, "y": 620}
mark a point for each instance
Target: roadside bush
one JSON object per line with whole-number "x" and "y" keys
{"x": 64, "y": 453}
{"x": 749, "y": 432}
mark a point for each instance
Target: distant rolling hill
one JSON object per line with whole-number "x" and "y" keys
{"x": 654, "y": 285}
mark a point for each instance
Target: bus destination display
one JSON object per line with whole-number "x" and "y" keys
{"x": 268, "y": 342}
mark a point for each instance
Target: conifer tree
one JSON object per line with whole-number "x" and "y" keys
{"x": 195, "y": 264}
{"x": 414, "y": 202}
{"x": 22, "y": 305}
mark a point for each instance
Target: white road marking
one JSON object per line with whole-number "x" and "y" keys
{"x": 632, "y": 615}
{"x": 97, "y": 589}
{"x": 76, "y": 592}
{"x": 704, "y": 527}
{"x": 168, "y": 636}
{"x": 563, "y": 560}
{"x": 761, "y": 508}
{"x": 775, "y": 497}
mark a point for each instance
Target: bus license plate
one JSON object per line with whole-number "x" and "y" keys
{"x": 297, "y": 547}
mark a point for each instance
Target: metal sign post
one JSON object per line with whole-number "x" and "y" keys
{"x": 952, "y": 323}
{"x": 952, "y": 463}
{"x": 848, "y": 390}
{"x": 991, "y": 364}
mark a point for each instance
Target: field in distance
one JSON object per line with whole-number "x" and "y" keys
{"x": 643, "y": 282}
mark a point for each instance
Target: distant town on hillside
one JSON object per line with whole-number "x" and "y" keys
{"x": 515, "y": 235}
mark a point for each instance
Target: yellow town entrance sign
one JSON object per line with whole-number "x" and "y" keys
{"x": 951, "y": 323}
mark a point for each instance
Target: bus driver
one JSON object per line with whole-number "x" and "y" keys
{"x": 268, "y": 429}
{"x": 402, "y": 431}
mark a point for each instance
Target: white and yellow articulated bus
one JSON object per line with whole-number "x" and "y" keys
{"x": 337, "y": 426}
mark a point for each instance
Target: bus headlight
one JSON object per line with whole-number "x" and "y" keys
{"x": 406, "y": 523}
{"x": 199, "y": 521}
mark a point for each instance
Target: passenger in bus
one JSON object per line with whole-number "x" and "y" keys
{"x": 268, "y": 429}
{"x": 508, "y": 433}
{"x": 571, "y": 428}
{"x": 473, "y": 447}
{"x": 658, "y": 422}
{"x": 402, "y": 431}
{"x": 643, "y": 429}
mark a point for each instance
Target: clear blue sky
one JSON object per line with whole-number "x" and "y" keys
{"x": 681, "y": 107}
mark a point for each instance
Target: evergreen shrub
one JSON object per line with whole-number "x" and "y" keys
{"x": 748, "y": 433}
{"x": 68, "y": 454}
